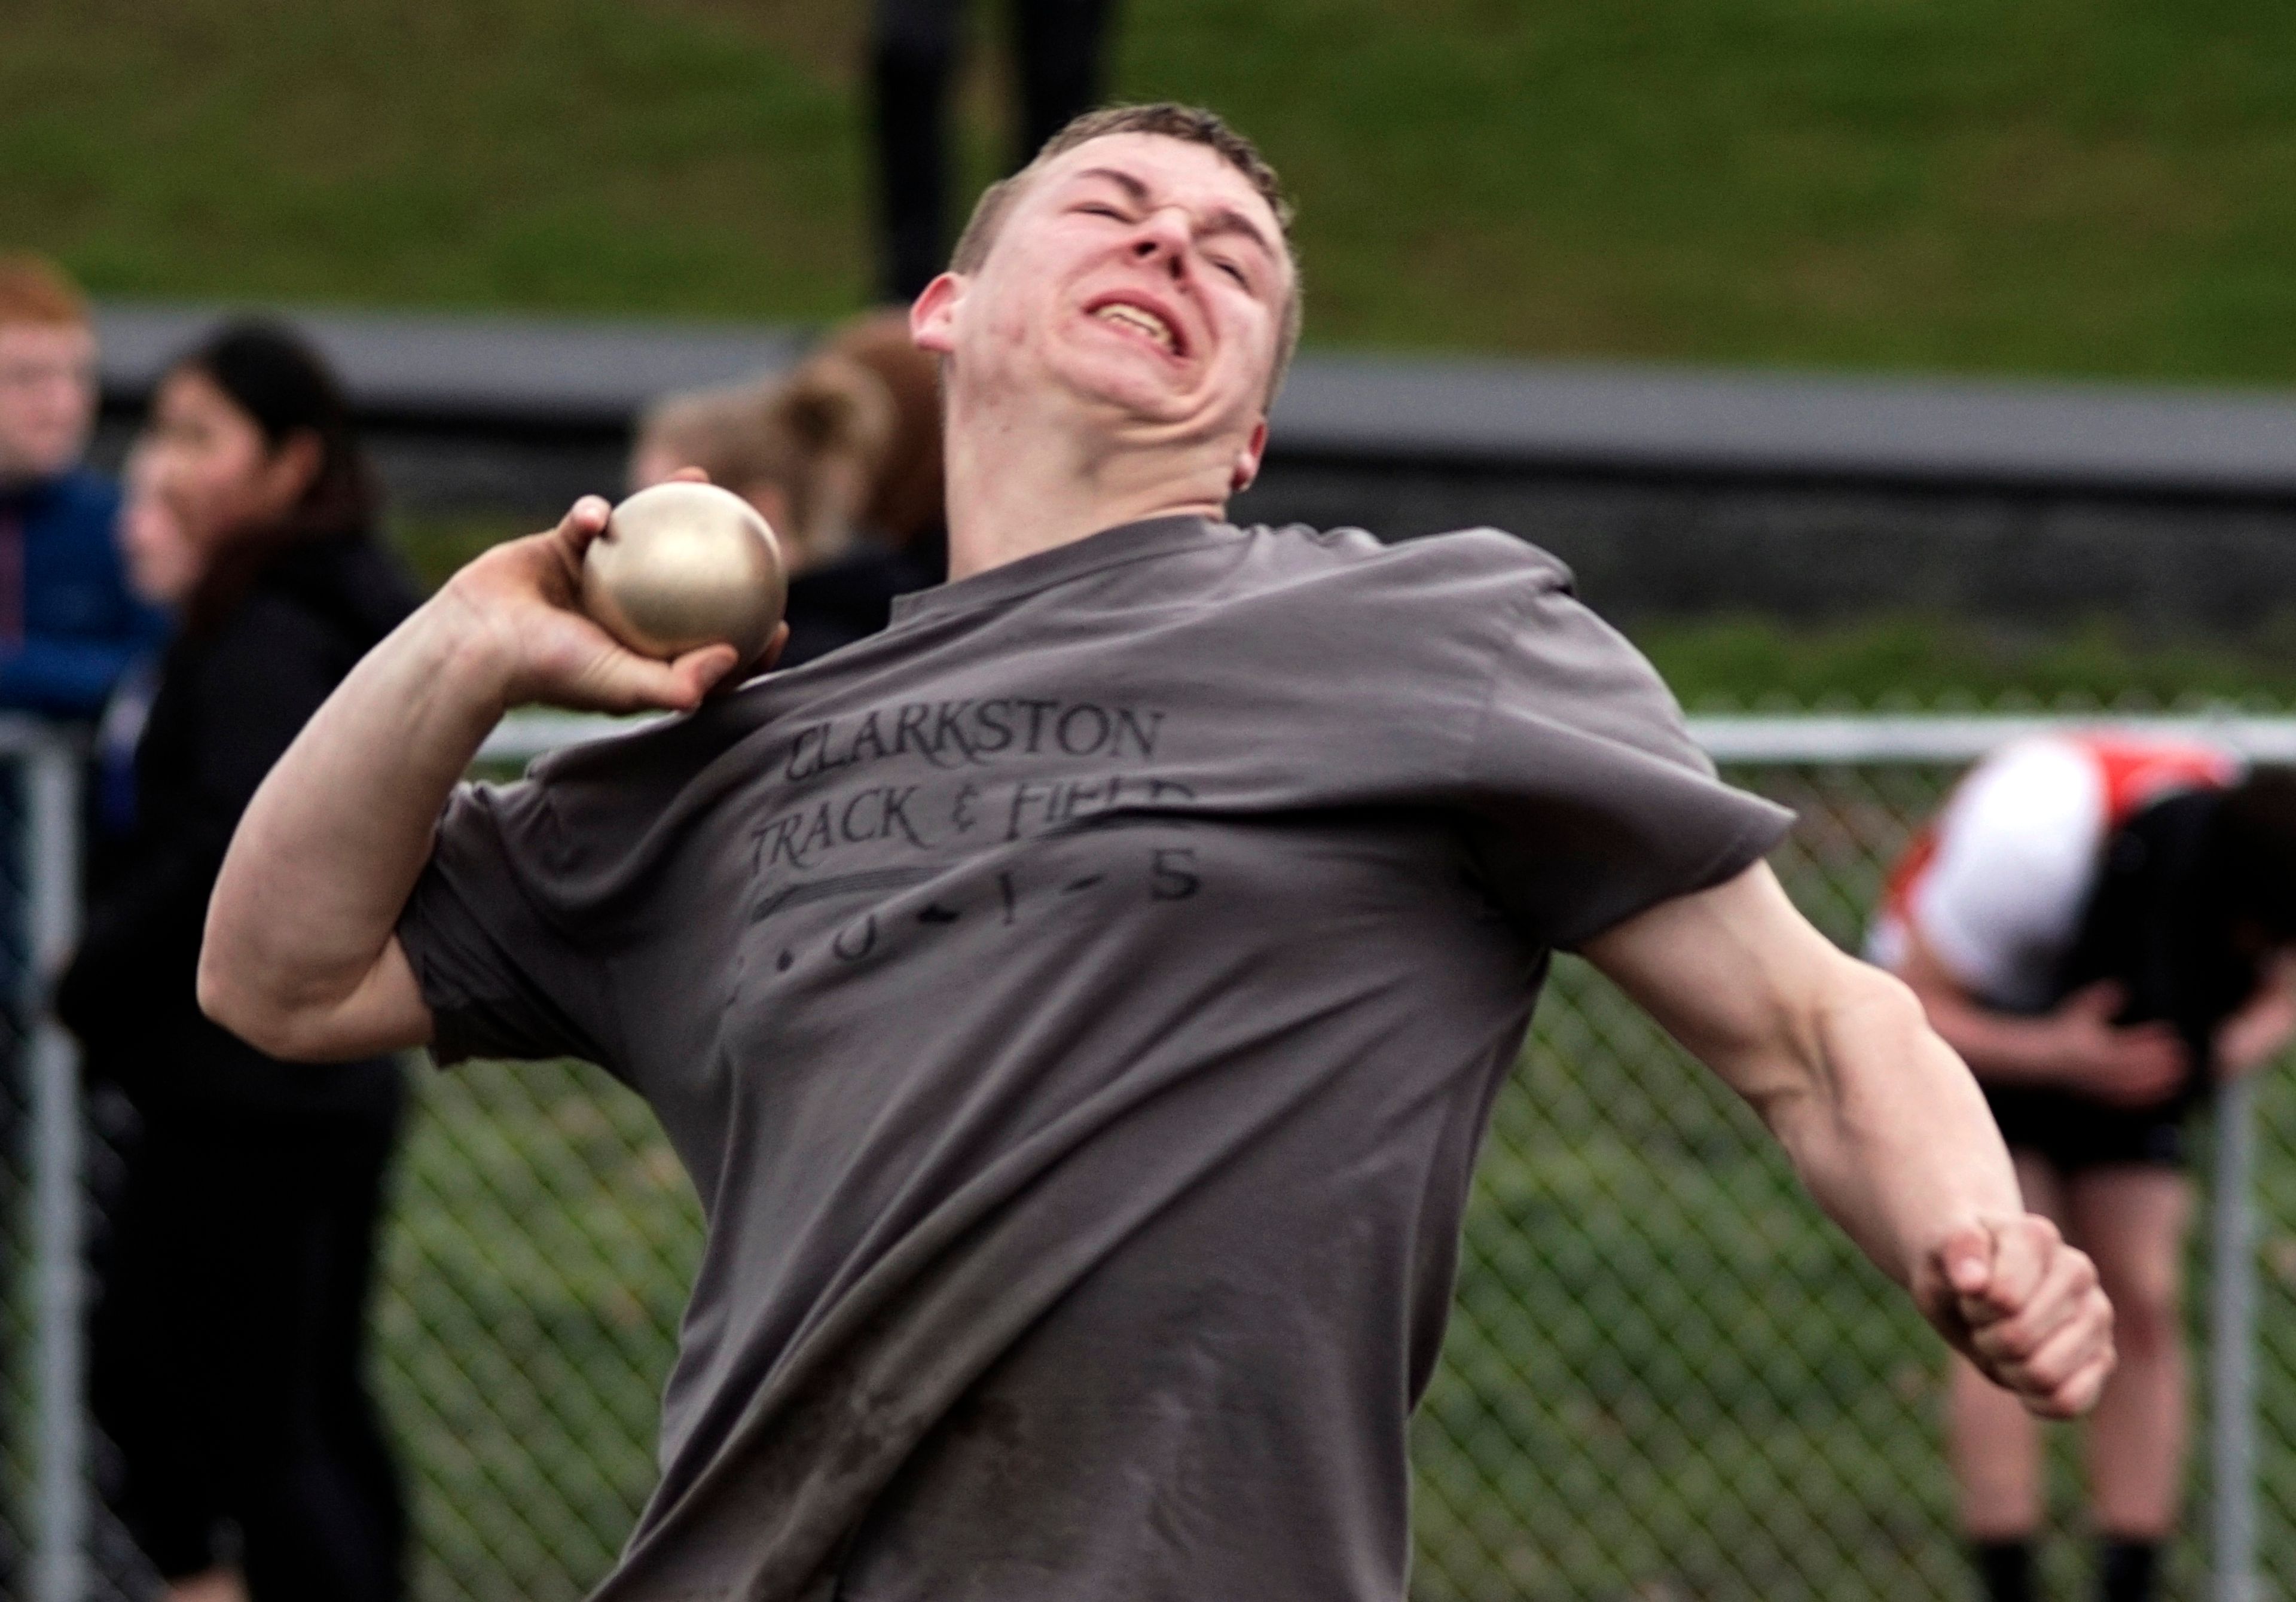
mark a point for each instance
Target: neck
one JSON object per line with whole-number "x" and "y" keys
{"x": 1017, "y": 485}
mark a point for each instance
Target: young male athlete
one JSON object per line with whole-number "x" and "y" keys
{"x": 2093, "y": 923}
{"x": 1077, "y": 1006}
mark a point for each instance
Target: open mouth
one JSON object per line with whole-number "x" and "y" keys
{"x": 1140, "y": 320}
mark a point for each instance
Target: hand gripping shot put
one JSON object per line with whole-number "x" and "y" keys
{"x": 1077, "y": 1005}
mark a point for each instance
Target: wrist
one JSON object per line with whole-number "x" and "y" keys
{"x": 460, "y": 650}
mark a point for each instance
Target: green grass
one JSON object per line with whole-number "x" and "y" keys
{"x": 2074, "y": 186}
{"x": 1914, "y": 661}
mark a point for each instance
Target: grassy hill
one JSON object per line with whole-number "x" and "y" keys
{"x": 2095, "y": 186}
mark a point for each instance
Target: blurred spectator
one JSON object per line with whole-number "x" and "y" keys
{"x": 2100, "y": 926}
{"x": 229, "y": 1332}
{"x": 1056, "y": 48}
{"x": 806, "y": 452}
{"x": 909, "y": 505}
{"x": 67, "y": 624}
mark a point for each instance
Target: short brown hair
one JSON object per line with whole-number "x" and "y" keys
{"x": 35, "y": 290}
{"x": 1171, "y": 120}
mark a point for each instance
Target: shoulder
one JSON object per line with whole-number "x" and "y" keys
{"x": 659, "y": 767}
{"x": 347, "y": 584}
{"x": 1408, "y": 566}
{"x": 1473, "y": 589}
{"x": 269, "y": 643}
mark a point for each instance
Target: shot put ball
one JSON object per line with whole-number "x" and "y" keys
{"x": 684, "y": 565}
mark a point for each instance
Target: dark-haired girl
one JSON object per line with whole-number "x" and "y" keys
{"x": 228, "y": 1341}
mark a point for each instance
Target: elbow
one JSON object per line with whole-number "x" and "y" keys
{"x": 1881, "y": 995}
{"x": 224, "y": 1000}
{"x": 1834, "y": 1031}
{"x": 1866, "y": 1004}
{"x": 231, "y": 1002}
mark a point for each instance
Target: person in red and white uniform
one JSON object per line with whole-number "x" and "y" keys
{"x": 2100, "y": 926}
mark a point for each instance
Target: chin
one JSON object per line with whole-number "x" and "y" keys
{"x": 1132, "y": 388}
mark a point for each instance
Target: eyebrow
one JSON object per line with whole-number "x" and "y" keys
{"x": 1224, "y": 220}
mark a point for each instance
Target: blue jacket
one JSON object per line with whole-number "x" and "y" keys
{"x": 81, "y": 625}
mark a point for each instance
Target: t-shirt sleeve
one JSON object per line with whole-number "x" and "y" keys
{"x": 1591, "y": 801}
{"x": 501, "y": 977}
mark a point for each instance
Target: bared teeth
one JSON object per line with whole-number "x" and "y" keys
{"x": 1147, "y": 322}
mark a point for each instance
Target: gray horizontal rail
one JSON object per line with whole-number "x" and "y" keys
{"x": 466, "y": 370}
{"x": 1787, "y": 738}
{"x": 1889, "y": 737}
{"x": 1637, "y": 420}
{"x": 532, "y": 371}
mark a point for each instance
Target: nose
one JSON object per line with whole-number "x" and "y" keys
{"x": 1164, "y": 236}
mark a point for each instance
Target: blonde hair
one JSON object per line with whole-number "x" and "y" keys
{"x": 818, "y": 436}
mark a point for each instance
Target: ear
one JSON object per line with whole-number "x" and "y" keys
{"x": 292, "y": 471}
{"x": 933, "y": 318}
{"x": 1248, "y": 459}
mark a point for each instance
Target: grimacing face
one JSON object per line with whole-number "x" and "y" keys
{"x": 1141, "y": 274}
{"x": 48, "y": 397}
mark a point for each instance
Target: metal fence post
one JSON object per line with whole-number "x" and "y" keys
{"x": 2233, "y": 1346}
{"x": 51, "y": 783}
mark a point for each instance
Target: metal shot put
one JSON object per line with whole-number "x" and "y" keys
{"x": 1084, "y": 1127}
{"x": 684, "y": 565}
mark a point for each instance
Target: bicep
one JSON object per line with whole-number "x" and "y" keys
{"x": 384, "y": 1012}
{"x": 1735, "y": 974}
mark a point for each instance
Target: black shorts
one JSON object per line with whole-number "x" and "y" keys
{"x": 2075, "y": 1132}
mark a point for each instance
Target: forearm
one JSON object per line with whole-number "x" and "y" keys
{"x": 2000, "y": 1047}
{"x": 1884, "y": 1124}
{"x": 1886, "y": 1127}
{"x": 336, "y": 834}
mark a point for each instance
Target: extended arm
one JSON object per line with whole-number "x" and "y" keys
{"x": 1880, "y": 1120}
{"x": 301, "y": 957}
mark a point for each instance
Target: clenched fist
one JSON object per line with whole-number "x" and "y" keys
{"x": 2025, "y": 1307}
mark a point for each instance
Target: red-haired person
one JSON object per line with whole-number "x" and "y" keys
{"x": 2097, "y": 924}
{"x": 67, "y": 622}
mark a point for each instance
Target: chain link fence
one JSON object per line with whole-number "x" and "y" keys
{"x": 1667, "y": 1377}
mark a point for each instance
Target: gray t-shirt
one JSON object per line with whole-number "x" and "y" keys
{"x": 1078, "y": 1007}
